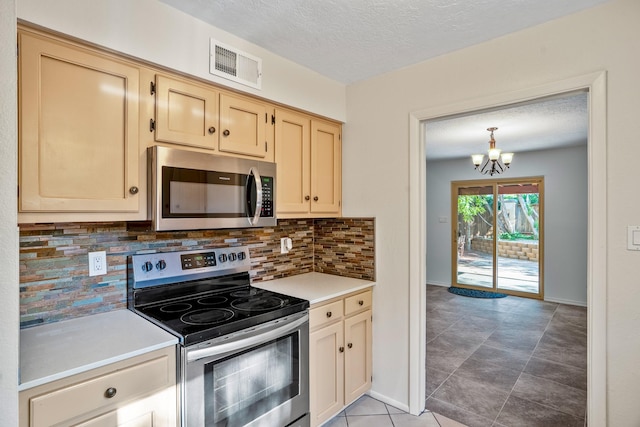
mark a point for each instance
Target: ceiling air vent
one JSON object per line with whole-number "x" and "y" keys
{"x": 233, "y": 64}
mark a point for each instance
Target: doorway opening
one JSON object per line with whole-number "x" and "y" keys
{"x": 498, "y": 235}
{"x": 595, "y": 84}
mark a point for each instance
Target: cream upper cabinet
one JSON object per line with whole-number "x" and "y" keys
{"x": 136, "y": 392}
{"x": 293, "y": 159}
{"x": 79, "y": 135}
{"x": 308, "y": 154}
{"x": 326, "y": 168}
{"x": 340, "y": 349}
{"x": 243, "y": 125}
{"x": 198, "y": 115}
{"x": 186, "y": 113}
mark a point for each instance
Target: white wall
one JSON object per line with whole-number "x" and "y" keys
{"x": 9, "y": 315}
{"x": 376, "y": 152}
{"x": 565, "y": 217}
{"x": 158, "y": 33}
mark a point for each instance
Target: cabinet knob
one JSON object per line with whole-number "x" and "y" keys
{"x": 134, "y": 190}
{"x": 360, "y": 302}
{"x": 315, "y": 199}
{"x": 307, "y": 198}
{"x": 110, "y": 392}
{"x": 341, "y": 349}
{"x": 329, "y": 314}
{"x": 212, "y": 130}
{"x": 350, "y": 345}
{"x": 226, "y": 132}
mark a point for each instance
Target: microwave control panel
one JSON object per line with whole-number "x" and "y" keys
{"x": 267, "y": 196}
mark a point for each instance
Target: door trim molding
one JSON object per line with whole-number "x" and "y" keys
{"x": 596, "y": 84}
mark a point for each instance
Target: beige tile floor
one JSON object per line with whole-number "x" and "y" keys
{"x": 370, "y": 412}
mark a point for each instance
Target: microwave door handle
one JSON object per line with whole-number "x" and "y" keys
{"x": 258, "y": 183}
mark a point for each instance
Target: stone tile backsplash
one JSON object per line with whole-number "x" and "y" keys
{"x": 54, "y": 276}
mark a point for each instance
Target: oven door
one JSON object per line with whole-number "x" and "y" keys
{"x": 255, "y": 377}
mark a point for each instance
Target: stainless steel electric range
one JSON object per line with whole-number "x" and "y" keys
{"x": 244, "y": 351}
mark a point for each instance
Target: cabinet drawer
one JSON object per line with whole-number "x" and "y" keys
{"x": 91, "y": 395}
{"x": 325, "y": 314}
{"x": 357, "y": 302}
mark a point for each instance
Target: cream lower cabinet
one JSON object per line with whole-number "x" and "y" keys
{"x": 309, "y": 159}
{"x": 137, "y": 392}
{"x": 339, "y": 354}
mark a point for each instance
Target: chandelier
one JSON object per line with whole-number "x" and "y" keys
{"x": 495, "y": 162}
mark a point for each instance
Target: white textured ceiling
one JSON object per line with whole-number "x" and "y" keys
{"x": 547, "y": 123}
{"x": 351, "y": 40}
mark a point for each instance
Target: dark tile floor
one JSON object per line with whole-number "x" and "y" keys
{"x": 506, "y": 362}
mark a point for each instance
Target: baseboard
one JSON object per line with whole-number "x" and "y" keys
{"x": 566, "y": 301}
{"x": 431, "y": 282}
{"x": 388, "y": 401}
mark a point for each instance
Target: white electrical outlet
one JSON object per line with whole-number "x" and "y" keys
{"x": 97, "y": 263}
{"x": 285, "y": 245}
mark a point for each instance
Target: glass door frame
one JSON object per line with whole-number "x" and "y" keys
{"x": 455, "y": 185}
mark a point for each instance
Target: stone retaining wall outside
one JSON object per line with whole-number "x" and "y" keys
{"x": 516, "y": 249}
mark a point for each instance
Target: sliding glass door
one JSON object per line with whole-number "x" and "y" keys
{"x": 497, "y": 235}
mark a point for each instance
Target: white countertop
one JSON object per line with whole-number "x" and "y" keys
{"x": 58, "y": 350}
{"x": 315, "y": 287}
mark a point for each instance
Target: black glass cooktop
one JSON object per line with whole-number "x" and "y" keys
{"x": 205, "y": 314}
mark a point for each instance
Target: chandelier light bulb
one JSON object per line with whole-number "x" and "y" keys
{"x": 494, "y": 154}
{"x": 477, "y": 159}
{"x": 496, "y": 162}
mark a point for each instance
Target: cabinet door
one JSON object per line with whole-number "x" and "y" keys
{"x": 326, "y": 373}
{"x": 293, "y": 159}
{"x": 116, "y": 418}
{"x": 326, "y": 168}
{"x": 78, "y": 129}
{"x": 186, "y": 113}
{"x": 357, "y": 359}
{"x": 243, "y": 126}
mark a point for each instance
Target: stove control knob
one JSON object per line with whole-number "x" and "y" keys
{"x": 241, "y": 256}
{"x": 161, "y": 265}
{"x": 147, "y": 266}
{"x": 232, "y": 256}
{"x": 222, "y": 258}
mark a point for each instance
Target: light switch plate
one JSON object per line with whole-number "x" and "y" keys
{"x": 97, "y": 263}
{"x": 633, "y": 237}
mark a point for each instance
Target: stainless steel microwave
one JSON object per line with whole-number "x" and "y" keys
{"x": 190, "y": 190}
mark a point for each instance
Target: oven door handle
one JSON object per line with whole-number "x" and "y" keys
{"x": 235, "y": 345}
